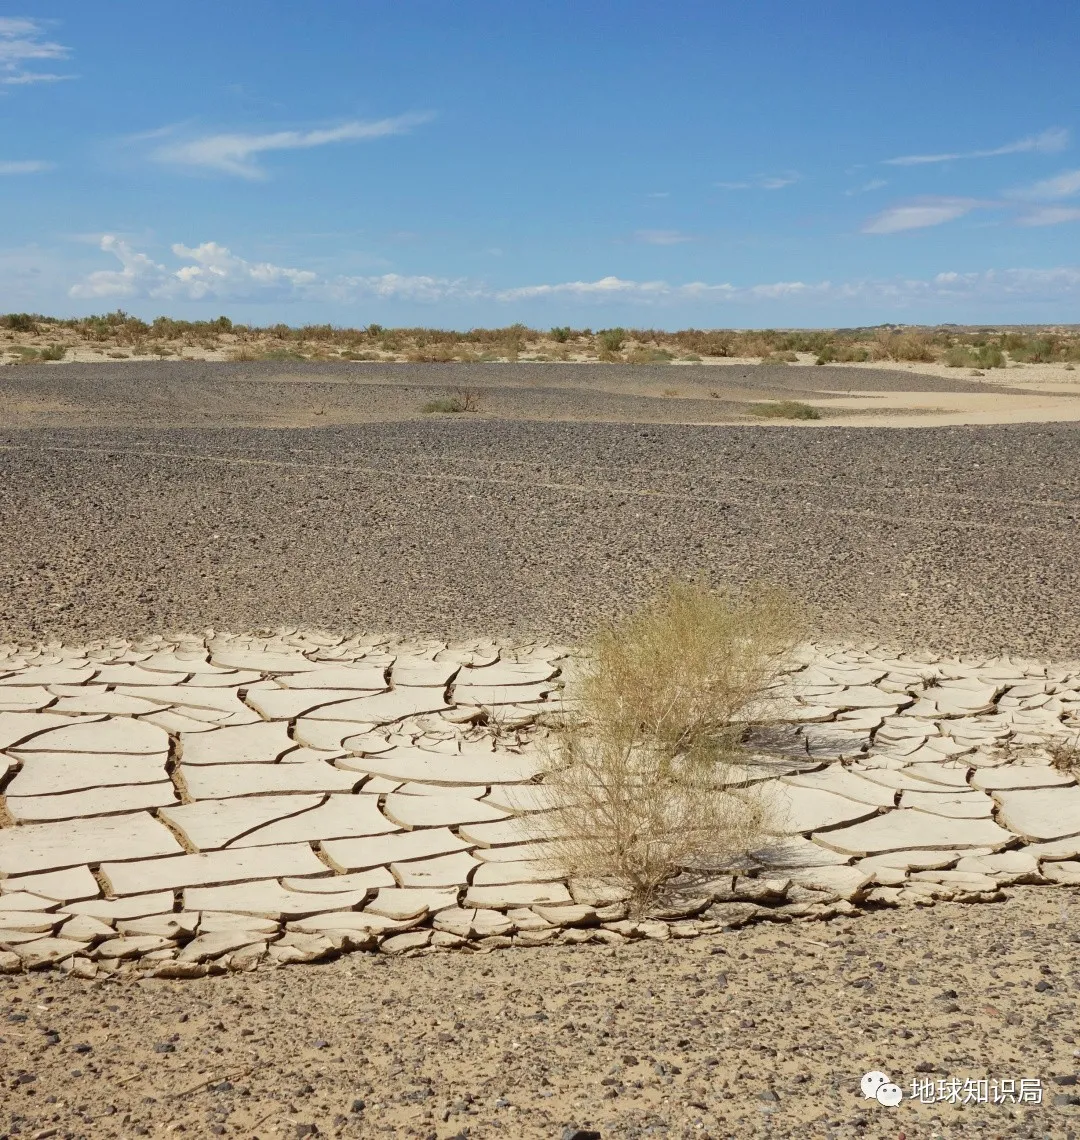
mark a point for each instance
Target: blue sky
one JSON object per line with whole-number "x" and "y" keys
{"x": 589, "y": 162}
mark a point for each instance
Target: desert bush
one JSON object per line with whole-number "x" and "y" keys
{"x": 917, "y": 347}
{"x": 780, "y": 358}
{"x": 831, "y": 352}
{"x": 990, "y": 356}
{"x": 458, "y": 399}
{"x": 642, "y": 781}
{"x": 610, "y": 340}
{"x": 19, "y": 322}
{"x": 784, "y": 410}
{"x": 53, "y": 352}
{"x": 960, "y": 356}
{"x": 976, "y": 356}
{"x": 1038, "y": 351}
{"x": 560, "y": 334}
{"x": 649, "y": 356}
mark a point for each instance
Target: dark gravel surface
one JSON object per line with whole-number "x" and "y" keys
{"x": 946, "y": 537}
{"x": 140, "y": 393}
{"x": 761, "y": 1032}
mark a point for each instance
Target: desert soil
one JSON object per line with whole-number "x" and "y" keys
{"x": 193, "y": 495}
{"x": 180, "y": 496}
{"x": 764, "y": 1031}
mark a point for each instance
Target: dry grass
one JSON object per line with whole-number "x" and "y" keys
{"x": 784, "y": 410}
{"x": 1065, "y": 755}
{"x": 459, "y": 399}
{"x": 965, "y": 345}
{"x": 642, "y": 779}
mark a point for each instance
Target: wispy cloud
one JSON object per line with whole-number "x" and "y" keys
{"x": 1061, "y": 186}
{"x": 1049, "y": 216}
{"x": 237, "y": 154}
{"x": 661, "y": 237}
{"x": 25, "y": 166}
{"x": 212, "y": 272}
{"x": 1047, "y": 142}
{"x": 867, "y": 187}
{"x": 920, "y": 214}
{"x": 765, "y": 182}
{"x": 23, "y": 46}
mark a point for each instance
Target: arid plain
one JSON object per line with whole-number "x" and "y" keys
{"x": 926, "y": 510}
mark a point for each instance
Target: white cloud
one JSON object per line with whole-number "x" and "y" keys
{"x": 1049, "y": 216}
{"x": 774, "y": 182}
{"x": 1047, "y": 142}
{"x": 212, "y": 272}
{"x": 26, "y": 166}
{"x": 22, "y": 45}
{"x": 606, "y": 287}
{"x": 237, "y": 153}
{"x": 661, "y": 237}
{"x": 867, "y": 187}
{"x": 1061, "y": 186}
{"x": 919, "y": 215}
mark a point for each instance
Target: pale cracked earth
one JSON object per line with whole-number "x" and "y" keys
{"x": 184, "y": 807}
{"x": 221, "y": 805}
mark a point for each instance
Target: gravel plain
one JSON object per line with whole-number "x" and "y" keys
{"x": 137, "y": 393}
{"x": 952, "y": 538}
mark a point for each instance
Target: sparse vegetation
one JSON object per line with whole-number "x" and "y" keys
{"x": 784, "y": 410}
{"x": 643, "y": 778}
{"x": 1065, "y": 754}
{"x": 53, "y": 352}
{"x": 164, "y": 336}
{"x": 610, "y": 340}
{"x": 979, "y": 356}
{"x": 456, "y": 401}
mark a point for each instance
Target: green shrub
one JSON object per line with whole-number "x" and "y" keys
{"x": 19, "y": 322}
{"x": 611, "y": 340}
{"x": 1035, "y": 352}
{"x": 960, "y": 356}
{"x": 784, "y": 410}
{"x": 561, "y": 334}
{"x": 53, "y": 352}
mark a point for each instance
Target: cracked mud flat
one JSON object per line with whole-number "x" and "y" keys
{"x": 910, "y": 782}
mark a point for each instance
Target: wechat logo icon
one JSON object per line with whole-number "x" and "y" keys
{"x": 877, "y": 1086}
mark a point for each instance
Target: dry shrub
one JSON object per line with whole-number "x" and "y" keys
{"x": 459, "y": 399}
{"x": 1065, "y": 754}
{"x": 643, "y": 780}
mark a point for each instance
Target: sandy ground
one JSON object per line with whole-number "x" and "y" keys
{"x": 717, "y": 391}
{"x": 764, "y": 1031}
